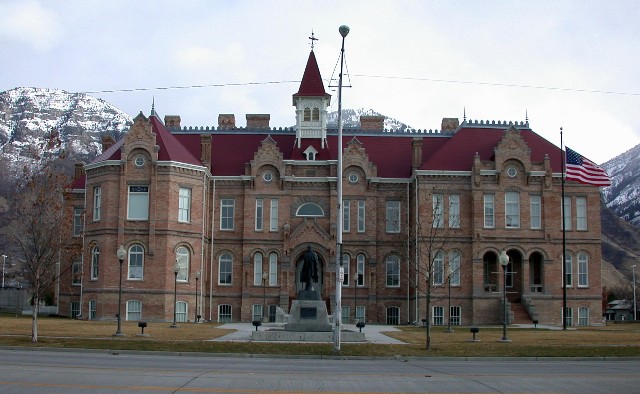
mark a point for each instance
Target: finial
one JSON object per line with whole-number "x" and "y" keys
{"x": 313, "y": 40}
{"x": 464, "y": 114}
{"x": 344, "y": 30}
{"x": 526, "y": 115}
{"x": 153, "y": 106}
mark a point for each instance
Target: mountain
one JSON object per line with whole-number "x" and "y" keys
{"x": 623, "y": 196}
{"x": 351, "y": 118}
{"x": 29, "y": 116}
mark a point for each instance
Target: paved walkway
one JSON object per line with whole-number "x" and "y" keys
{"x": 373, "y": 333}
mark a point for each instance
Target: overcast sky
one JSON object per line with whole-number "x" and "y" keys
{"x": 416, "y": 61}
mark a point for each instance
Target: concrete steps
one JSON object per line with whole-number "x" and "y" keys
{"x": 520, "y": 314}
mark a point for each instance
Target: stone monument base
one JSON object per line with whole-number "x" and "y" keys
{"x": 293, "y": 336}
{"x": 308, "y": 315}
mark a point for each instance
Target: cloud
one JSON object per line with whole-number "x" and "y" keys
{"x": 31, "y": 23}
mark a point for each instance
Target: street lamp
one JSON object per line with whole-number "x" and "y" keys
{"x": 197, "y": 275}
{"x": 121, "y": 253}
{"x": 449, "y": 275}
{"x": 264, "y": 295}
{"x": 176, "y": 269}
{"x": 633, "y": 269}
{"x": 355, "y": 297}
{"x": 4, "y": 260}
{"x": 504, "y": 261}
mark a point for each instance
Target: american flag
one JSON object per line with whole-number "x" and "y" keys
{"x": 585, "y": 171}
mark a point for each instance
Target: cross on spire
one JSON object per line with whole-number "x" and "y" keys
{"x": 313, "y": 39}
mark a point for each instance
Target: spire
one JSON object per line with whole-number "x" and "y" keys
{"x": 153, "y": 107}
{"x": 311, "y": 84}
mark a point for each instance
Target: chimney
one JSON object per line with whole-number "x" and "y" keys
{"x": 258, "y": 121}
{"x": 416, "y": 159}
{"x": 449, "y": 125}
{"x": 226, "y": 121}
{"x": 372, "y": 122}
{"x": 172, "y": 121}
{"x": 78, "y": 170}
{"x": 107, "y": 142}
{"x": 205, "y": 150}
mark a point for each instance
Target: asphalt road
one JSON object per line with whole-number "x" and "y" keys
{"x": 45, "y": 371}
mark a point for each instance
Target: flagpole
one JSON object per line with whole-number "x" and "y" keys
{"x": 564, "y": 240}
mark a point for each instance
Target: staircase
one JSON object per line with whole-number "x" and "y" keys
{"x": 520, "y": 314}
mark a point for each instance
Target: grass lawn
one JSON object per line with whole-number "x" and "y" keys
{"x": 615, "y": 340}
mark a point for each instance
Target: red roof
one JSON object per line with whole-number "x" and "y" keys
{"x": 311, "y": 84}
{"x": 171, "y": 149}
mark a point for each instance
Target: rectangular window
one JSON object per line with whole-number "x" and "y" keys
{"x": 581, "y": 213}
{"x": 184, "y": 205}
{"x": 512, "y": 210}
{"x": 583, "y": 270}
{"x": 569, "y": 316}
{"x": 455, "y": 315}
{"x": 360, "y": 270}
{"x": 259, "y": 214}
{"x": 97, "y": 202}
{"x": 566, "y": 209}
{"x": 257, "y": 269}
{"x": 361, "y": 216}
{"x": 345, "y": 266}
{"x": 257, "y": 312}
{"x": 438, "y": 315}
{"x": 454, "y": 211}
{"x": 273, "y": 217}
{"x": 134, "y": 310}
{"x": 76, "y": 273}
{"x": 438, "y": 210}
{"x": 346, "y": 215}
{"x": 227, "y": 208}
{"x": 489, "y": 211}
{"x": 583, "y": 316}
{"x": 393, "y": 271}
{"x": 181, "y": 311}
{"x": 346, "y": 314}
{"x": 224, "y": 313}
{"x": 92, "y": 309}
{"x": 360, "y": 314}
{"x": 138, "y": 203}
{"x": 77, "y": 221}
{"x": 75, "y": 309}
{"x": 273, "y": 269}
{"x": 393, "y": 217}
{"x": 536, "y": 211}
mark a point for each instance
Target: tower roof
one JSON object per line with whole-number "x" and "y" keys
{"x": 311, "y": 84}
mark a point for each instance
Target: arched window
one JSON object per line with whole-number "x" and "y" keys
{"x": 134, "y": 310}
{"x": 360, "y": 259}
{"x": 136, "y": 262}
{"x": 454, "y": 268}
{"x": 393, "y": 271}
{"x": 315, "y": 115}
{"x": 307, "y": 114}
{"x": 225, "y": 264}
{"x": 438, "y": 268}
{"x": 95, "y": 257}
{"x": 310, "y": 209}
{"x": 182, "y": 259}
{"x": 583, "y": 270}
{"x": 273, "y": 269}
{"x": 257, "y": 269}
{"x": 345, "y": 266}
{"x": 568, "y": 271}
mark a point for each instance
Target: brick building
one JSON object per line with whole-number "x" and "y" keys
{"x": 238, "y": 206}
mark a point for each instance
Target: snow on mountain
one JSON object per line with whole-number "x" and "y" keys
{"x": 623, "y": 196}
{"x": 351, "y": 118}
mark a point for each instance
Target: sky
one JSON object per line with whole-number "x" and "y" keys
{"x": 564, "y": 64}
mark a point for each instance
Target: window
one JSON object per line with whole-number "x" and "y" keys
{"x": 92, "y": 309}
{"x": 345, "y": 267}
{"x": 489, "y": 211}
{"x": 134, "y": 310}
{"x": 583, "y": 316}
{"x": 568, "y": 273}
{"x": 583, "y": 270}
{"x": 95, "y": 262}
{"x": 361, "y": 216}
{"x": 97, "y": 202}
{"x": 267, "y": 176}
{"x": 273, "y": 217}
{"x": 454, "y": 211}
{"x": 77, "y": 222}
{"x": 273, "y": 269}
{"x": 225, "y": 263}
{"x": 259, "y": 214}
{"x": 346, "y": 213}
{"x": 438, "y": 268}
{"x": 256, "y": 314}
{"x": 536, "y": 212}
{"x": 257, "y": 269}
{"x": 181, "y": 311}
{"x": 393, "y": 217}
{"x": 353, "y": 177}
{"x": 512, "y": 210}
{"x": 138, "y": 161}
{"x": 438, "y": 210}
{"x": 138, "y": 203}
{"x": 346, "y": 313}
{"x": 360, "y": 314}
{"x": 512, "y": 171}
{"x": 75, "y": 309}
{"x": 224, "y": 313}
{"x": 454, "y": 268}
{"x": 569, "y": 316}
{"x": 360, "y": 270}
{"x": 393, "y": 271}
{"x": 76, "y": 273}
{"x": 393, "y": 315}
{"x": 581, "y": 213}
{"x": 184, "y": 205}
{"x": 182, "y": 259}
{"x": 454, "y": 315}
{"x": 227, "y": 206}
{"x": 566, "y": 209}
{"x": 310, "y": 209}
{"x": 315, "y": 114}
{"x": 136, "y": 262}
{"x": 307, "y": 114}
{"x": 438, "y": 315}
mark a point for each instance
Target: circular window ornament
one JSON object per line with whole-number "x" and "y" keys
{"x": 512, "y": 171}
{"x": 139, "y": 161}
{"x": 267, "y": 176}
{"x": 353, "y": 177}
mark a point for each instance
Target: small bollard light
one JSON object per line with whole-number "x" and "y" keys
{"x": 256, "y": 324}
{"x": 535, "y": 323}
{"x": 424, "y": 322}
{"x": 360, "y": 324}
{"x": 142, "y": 325}
{"x": 474, "y": 331}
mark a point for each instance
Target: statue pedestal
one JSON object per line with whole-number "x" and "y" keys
{"x": 308, "y": 313}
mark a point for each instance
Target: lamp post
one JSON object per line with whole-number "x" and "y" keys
{"x": 176, "y": 269}
{"x": 355, "y": 297}
{"x": 264, "y": 295}
{"x": 197, "y": 276}
{"x": 4, "y": 260}
{"x": 449, "y": 275}
{"x": 633, "y": 269}
{"x": 121, "y": 254}
{"x": 504, "y": 261}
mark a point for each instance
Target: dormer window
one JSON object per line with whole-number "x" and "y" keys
{"x": 315, "y": 114}
{"x": 307, "y": 114}
{"x": 311, "y": 114}
{"x": 310, "y": 153}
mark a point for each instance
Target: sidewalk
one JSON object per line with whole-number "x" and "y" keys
{"x": 373, "y": 333}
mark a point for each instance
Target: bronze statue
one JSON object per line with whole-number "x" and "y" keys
{"x": 309, "y": 272}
